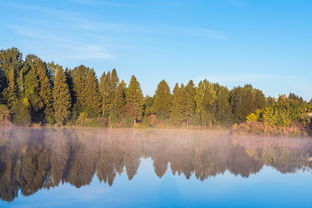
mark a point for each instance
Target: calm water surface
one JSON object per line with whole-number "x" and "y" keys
{"x": 151, "y": 168}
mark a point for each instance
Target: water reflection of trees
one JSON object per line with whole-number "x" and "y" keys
{"x": 31, "y": 159}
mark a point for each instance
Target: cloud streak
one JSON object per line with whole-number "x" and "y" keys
{"x": 77, "y": 20}
{"x": 63, "y": 48}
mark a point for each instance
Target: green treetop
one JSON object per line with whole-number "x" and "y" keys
{"x": 178, "y": 105}
{"x": 162, "y": 100}
{"x": 61, "y": 98}
{"x": 134, "y": 99}
{"x": 190, "y": 91}
{"x": 91, "y": 95}
{"x": 205, "y": 97}
{"x": 119, "y": 104}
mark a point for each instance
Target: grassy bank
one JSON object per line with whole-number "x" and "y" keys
{"x": 260, "y": 128}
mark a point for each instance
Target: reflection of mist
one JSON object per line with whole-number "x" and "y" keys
{"x": 31, "y": 159}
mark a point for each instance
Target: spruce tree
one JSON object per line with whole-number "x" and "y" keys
{"x": 10, "y": 64}
{"x": 178, "y": 105}
{"x": 190, "y": 102}
{"x": 134, "y": 99}
{"x": 222, "y": 107}
{"x": 162, "y": 100}
{"x": 61, "y": 98}
{"x": 205, "y": 97}
{"x": 119, "y": 104}
{"x": 108, "y": 87}
{"x": 2, "y": 80}
{"x": 45, "y": 93}
{"x": 10, "y": 92}
{"x": 39, "y": 89}
{"x": 77, "y": 85}
{"x": 114, "y": 81}
{"x": 31, "y": 89}
{"x": 78, "y": 77}
{"x": 2, "y": 83}
{"x": 91, "y": 95}
{"x": 105, "y": 94}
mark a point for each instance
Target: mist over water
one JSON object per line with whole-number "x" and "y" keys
{"x": 47, "y": 167}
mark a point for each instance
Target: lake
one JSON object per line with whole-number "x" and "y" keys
{"x": 46, "y": 167}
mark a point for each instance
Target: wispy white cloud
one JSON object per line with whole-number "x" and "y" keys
{"x": 102, "y": 3}
{"x": 45, "y": 10}
{"x": 130, "y": 4}
{"x": 78, "y": 21}
{"x": 64, "y": 47}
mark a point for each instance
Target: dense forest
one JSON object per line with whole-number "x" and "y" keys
{"x": 35, "y": 92}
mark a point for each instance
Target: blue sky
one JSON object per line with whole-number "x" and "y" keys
{"x": 263, "y": 42}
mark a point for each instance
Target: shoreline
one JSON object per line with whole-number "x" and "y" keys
{"x": 228, "y": 130}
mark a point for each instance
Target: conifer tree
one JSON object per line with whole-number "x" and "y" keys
{"x": 205, "y": 97}
{"x": 2, "y": 80}
{"x": 10, "y": 64}
{"x": 77, "y": 78}
{"x": 114, "y": 81}
{"x": 148, "y": 106}
{"x": 190, "y": 102}
{"x": 61, "y": 98}
{"x": 134, "y": 99}
{"x": 43, "y": 88}
{"x": 2, "y": 83}
{"x": 178, "y": 105}
{"x": 162, "y": 100}
{"x": 108, "y": 87}
{"x": 31, "y": 89}
{"x": 10, "y": 92}
{"x": 91, "y": 95}
{"x": 119, "y": 104}
{"x": 104, "y": 89}
{"x": 222, "y": 107}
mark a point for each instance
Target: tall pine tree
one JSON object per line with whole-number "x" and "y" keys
{"x": 205, "y": 97}
{"x": 222, "y": 108}
{"x": 134, "y": 99}
{"x": 10, "y": 64}
{"x": 119, "y": 104}
{"x": 108, "y": 86}
{"x": 91, "y": 95}
{"x": 106, "y": 97}
{"x": 162, "y": 100}
{"x": 77, "y": 84}
{"x": 178, "y": 106}
{"x": 61, "y": 98}
{"x": 38, "y": 89}
{"x": 190, "y": 91}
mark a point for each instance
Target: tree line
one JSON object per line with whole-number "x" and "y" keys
{"x": 33, "y": 91}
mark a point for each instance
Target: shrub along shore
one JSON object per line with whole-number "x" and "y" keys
{"x": 33, "y": 92}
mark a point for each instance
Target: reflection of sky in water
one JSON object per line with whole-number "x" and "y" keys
{"x": 267, "y": 188}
